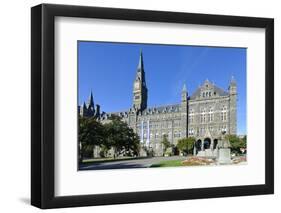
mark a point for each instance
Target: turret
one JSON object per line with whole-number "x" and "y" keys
{"x": 232, "y": 86}
{"x": 184, "y": 94}
{"x": 83, "y": 110}
{"x": 232, "y": 106}
{"x": 184, "y": 111}
{"x": 97, "y": 111}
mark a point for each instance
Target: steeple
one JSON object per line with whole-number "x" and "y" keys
{"x": 90, "y": 100}
{"x": 84, "y": 106}
{"x": 90, "y": 105}
{"x": 184, "y": 88}
{"x": 140, "y": 89}
{"x": 140, "y": 66}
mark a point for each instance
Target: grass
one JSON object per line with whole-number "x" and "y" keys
{"x": 104, "y": 160}
{"x": 170, "y": 163}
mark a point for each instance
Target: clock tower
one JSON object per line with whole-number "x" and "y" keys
{"x": 140, "y": 89}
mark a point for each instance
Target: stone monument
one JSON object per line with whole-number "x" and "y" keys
{"x": 224, "y": 156}
{"x": 143, "y": 152}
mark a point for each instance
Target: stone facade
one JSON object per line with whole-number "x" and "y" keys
{"x": 203, "y": 115}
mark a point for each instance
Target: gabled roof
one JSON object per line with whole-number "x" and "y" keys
{"x": 216, "y": 89}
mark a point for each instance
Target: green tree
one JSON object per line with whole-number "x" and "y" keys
{"x": 121, "y": 137}
{"x": 185, "y": 145}
{"x": 91, "y": 133}
{"x": 237, "y": 143}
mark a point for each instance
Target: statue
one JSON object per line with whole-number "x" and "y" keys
{"x": 223, "y": 142}
{"x": 224, "y": 156}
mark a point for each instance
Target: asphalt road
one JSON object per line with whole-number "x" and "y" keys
{"x": 126, "y": 164}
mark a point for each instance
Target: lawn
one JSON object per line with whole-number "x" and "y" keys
{"x": 110, "y": 159}
{"x": 168, "y": 163}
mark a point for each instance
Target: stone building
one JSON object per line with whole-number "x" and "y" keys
{"x": 203, "y": 115}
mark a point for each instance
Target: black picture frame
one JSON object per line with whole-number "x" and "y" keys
{"x": 43, "y": 117}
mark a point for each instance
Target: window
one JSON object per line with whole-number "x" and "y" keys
{"x": 224, "y": 113}
{"x": 211, "y": 114}
{"x": 203, "y": 115}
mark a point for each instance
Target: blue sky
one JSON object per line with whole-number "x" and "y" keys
{"x": 108, "y": 69}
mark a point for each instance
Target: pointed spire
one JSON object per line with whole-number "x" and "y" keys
{"x": 91, "y": 100}
{"x": 140, "y": 66}
{"x": 232, "y": 81}
{"x": 140, "y": 70}
{"x": 84, "y": 106}
{"x": 184, "y": 88}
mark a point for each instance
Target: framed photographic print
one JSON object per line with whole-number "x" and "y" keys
{"x": 139, "y": 106}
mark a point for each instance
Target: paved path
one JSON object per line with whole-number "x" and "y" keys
{"x": 126, "y": 164}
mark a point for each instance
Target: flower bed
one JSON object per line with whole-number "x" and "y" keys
{"x": 198, "y": 161}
